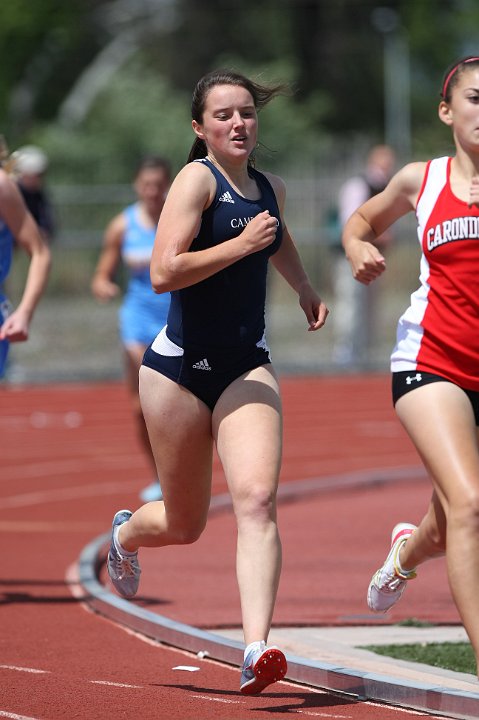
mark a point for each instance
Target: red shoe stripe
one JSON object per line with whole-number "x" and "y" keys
{"x": 406, "y": 531}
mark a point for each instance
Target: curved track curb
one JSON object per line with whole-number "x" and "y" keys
{"x": 362, "y": 685}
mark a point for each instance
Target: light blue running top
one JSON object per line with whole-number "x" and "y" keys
{"x": 143, "y": 312}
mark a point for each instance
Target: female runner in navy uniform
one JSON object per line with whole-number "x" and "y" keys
{"x": 207, "y": 378}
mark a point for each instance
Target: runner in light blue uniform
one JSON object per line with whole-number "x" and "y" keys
{"x": 129, "y": 240}
{"x": 143, "y": 313}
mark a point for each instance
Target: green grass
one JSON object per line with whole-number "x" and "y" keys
{"x": 457, "y": 656}
{"x": 414, "y": 622}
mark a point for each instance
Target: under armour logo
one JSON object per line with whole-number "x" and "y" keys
{"x": 417, "y": 377}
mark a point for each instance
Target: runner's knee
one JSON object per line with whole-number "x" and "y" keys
{"x": 465, "y": 511}
{"x": 256, "y": 505}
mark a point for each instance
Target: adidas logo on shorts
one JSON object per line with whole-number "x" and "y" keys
{"x": 226, "y": 197}
{"x": 202, "y": 365}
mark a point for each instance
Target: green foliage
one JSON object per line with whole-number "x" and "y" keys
{"x": 331, "y": 53}
{"x": 141, "y": 113}
{"x": 451, "y": 656}
{"x": 44, "y": 45}
{"x": 206, "y": 33}
{"x": 414, "y": 622}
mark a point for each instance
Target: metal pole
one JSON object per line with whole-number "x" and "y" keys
{"x": 397, "y": 95}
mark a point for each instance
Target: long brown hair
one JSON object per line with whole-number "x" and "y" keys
{"x": 261, "y": 95}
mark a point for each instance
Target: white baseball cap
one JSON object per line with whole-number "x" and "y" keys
{"x": 30, "y": 160}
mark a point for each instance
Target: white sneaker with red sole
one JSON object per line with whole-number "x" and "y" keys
{"x": 262, "y": 666}
{"x": 389, "y": 582}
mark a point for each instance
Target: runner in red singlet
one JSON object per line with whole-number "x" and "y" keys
{"x": 435, "y": 363}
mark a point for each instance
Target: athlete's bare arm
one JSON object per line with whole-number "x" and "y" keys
{"x": 374, "y": 217}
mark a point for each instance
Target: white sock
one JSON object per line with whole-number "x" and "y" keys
{"x": 118, "y": 544}
{"x": 254, "y": 646}
{"x": 398, "y": 564}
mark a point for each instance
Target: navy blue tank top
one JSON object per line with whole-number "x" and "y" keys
{"x": 226, "y": 310}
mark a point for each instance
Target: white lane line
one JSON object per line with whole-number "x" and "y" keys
{"x": 67, "y": 493}
{"x": 14, "y": 716}
{"x": 77, "y": 466}
{"x": 311, "y": 713}
{"x": 40, "y": 419}
{"x": 220, "y": 700}
{"x": 48, "y": 526}
{"x": 115, "y": 684}
{"x": 23, "y": 669}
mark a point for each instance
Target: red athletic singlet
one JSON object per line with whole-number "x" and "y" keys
{"x": 439, "y": 332}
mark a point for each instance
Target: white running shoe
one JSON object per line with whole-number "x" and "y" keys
{"x": 124, "y": 570}
{"x": 262, "y": 666}
{"x": 389, "y": 582}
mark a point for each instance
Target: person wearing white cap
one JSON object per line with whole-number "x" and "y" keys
{"x": 18, "y": 227}
{"x": 31, "y": 165}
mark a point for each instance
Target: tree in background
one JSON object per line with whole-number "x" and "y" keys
{"x": 44, "y": 47}
{"x": 97, "y": 79}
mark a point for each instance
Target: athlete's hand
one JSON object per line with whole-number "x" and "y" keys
{"x": 15, "y": 328}
{"x": 103, "y": 289}
{"x": 259, "y": 232}
{"x": 474, "y": 192}
{"x": 367, "y": 263}
{"x": 313, "y": 307}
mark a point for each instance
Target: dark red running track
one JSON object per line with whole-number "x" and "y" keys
{"x": 69, "y": 459}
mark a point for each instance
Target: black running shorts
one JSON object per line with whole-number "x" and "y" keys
{"x": 407, "y": 380}
{"x": 206, "y": 372}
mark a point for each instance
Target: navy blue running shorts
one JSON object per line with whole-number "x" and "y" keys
{"x": 407, "y": 380}
{"x": 207, "y": 372}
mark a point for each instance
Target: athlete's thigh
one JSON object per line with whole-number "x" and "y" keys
{"x": 440, "y": 421}
{"x": 179, "y": 428}
{"x": 133, "y": 356}
{"x": 247, "y": 427}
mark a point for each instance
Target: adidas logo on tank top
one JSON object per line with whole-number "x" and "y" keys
{"x": 226, "y": 197}
{"x": 202, "y": 365}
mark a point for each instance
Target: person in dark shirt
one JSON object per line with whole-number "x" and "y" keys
{"x": 18, "y": 227}
{"x": 31, "y": 165}
{"x": 207, "y": 379}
